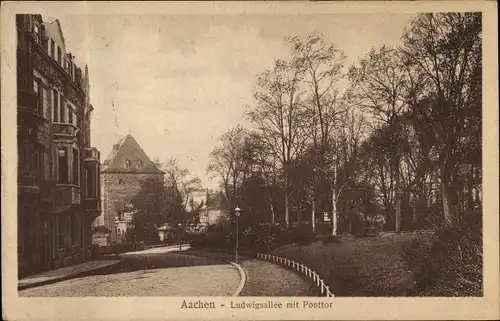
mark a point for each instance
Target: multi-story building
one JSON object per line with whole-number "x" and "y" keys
{"x": 122, "y": 173}
{"x": 58, "y": 170}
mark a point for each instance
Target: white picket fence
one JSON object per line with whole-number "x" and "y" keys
{"x": 320, "y": 283}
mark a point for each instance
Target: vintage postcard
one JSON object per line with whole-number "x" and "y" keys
{"x": 250, "y": 160}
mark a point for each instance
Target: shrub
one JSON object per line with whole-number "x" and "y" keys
{"x": 327, "y": 239}
{"x": 303, "y": 235}
{"x": 450, "y": 263}
{"x": 263, "y": 237}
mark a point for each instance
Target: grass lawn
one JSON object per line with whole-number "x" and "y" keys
{"x": 370, "y": 266}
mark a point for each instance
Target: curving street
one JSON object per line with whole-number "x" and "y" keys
{"x": 160, "y": 272}
{"x": 150, "y": 274}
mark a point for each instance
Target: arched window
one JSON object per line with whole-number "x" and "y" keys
{"x": 127, "y": 164}
{"x": 139, "y": 164}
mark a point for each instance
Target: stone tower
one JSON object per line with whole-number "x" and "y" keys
{"x": 122, "y": 172}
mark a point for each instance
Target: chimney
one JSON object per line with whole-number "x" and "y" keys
{"x": 115, "y": 147}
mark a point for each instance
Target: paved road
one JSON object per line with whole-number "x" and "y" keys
{"x": 150, "y": 274}
{"x": 268, "y": 279}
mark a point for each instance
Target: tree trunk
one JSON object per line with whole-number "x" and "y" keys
{"x": 313, "y": 215}
{"x": 334, "y": 213}
{"x": 414, "y": 214}
{"x": 398, "y": 198}
{"x": 273, "y": 217}
{"x": 287, "y": 222}
{"x": 299, "y": 215}
{"x": 447, "y": 202}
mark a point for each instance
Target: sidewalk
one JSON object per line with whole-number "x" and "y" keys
{"x": 64, "y": 273}
{"x": 159, "y": 250}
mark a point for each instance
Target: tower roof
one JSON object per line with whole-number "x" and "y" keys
{"x": 127, "y": 156}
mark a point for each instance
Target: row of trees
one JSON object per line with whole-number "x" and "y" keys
{"x": 396, "y": 135}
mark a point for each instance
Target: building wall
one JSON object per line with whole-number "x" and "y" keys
{"x": 53, "y": 226}
{"x": 117, "y": 191}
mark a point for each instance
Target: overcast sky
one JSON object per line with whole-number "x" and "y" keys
{"x": 178, "y": 82}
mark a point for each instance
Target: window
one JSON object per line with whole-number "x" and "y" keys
{"x": 90, "y": 183}
{"x": 70, "y": 114}
{"x": 56, "y": 105}
{"x": 139, "y": 164}
{"x": 127, "y": 164}
{"x": 62, "y": 113}
{"x": 76, "y": 167}
{"x": 52, "y": 48}
{"x": 36, "y": 30}
{"x": 38, "y": 89}
{"x": 63, "y": 165}
{"x": 67, "y": 66}
{"x": 59, "y": 55}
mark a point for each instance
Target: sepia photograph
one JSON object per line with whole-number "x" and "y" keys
{"x": 201, "y": 155}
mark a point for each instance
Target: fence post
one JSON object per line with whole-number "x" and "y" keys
{"x": 322, "y": 286}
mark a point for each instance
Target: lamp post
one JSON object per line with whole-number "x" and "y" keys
{"x": 237, "y": 211}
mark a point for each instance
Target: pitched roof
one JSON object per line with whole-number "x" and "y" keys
{"x": 127, "y": 149}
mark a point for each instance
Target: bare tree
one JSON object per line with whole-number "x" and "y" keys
{"x": 181, "y": 182}
{"x": 377, "y": 86}
{"x": 279, "y": 118}
{"x": 322, "y": 66}
{"x": 227, "y": 162}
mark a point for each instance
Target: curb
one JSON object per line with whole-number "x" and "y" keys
{"x": 64, "y": 278}
{"x": 241, "y": 271}
{"x": 243, "y": 279}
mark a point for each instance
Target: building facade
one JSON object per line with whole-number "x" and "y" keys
{"x": 122, "y": 173}
{"x": 58, "y": 170}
